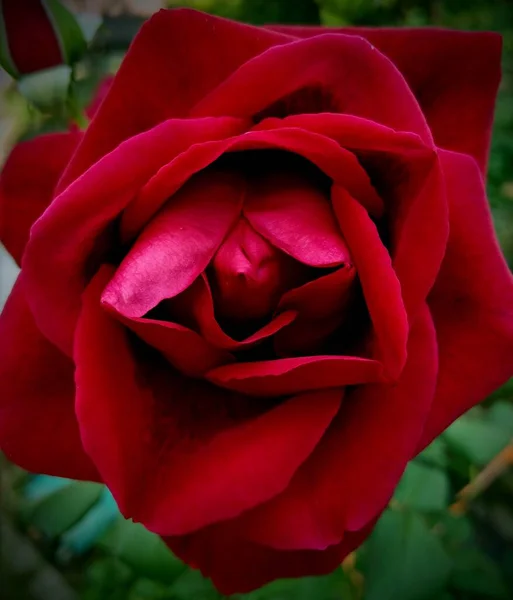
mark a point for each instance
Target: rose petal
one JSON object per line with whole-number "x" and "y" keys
{"x": 293, "y": 375}
{"x": 27, "y": 184}
{"x": 183, "y": 54}
{"x": 453, "y": 74}
{"x": 353, "y": 74}
{"x": 381, "y": 287}
{"x": 71, "y": 235}
{"x": 237, "y": 565}
{"x": 38, "y": 428}
{"x": 321, "y": 305}
{"x": 336, "y": 162}
{"x": 158, "y": 438}
{"x": 196, "y": 305}
{"x": 351, "y": 475}
{"x": 289, "y": 211}
{"x": 186, "y": 350}
{"x": 471, "y": 303}
{"x": 178, "y": 244}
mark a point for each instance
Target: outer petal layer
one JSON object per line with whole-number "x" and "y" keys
{"x": 471, "y": 303}
{"x": 159, "y": 439}
{"x": 453, "y": 74}
{"x": 352, "y": 474}
{"x": 38, "y": 428}
{"x": 27, "y": 183}
{"x": 237, "y": 565}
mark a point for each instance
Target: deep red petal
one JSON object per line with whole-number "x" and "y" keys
{"x": 185, "y": 349}
{"x": 321, "y": 305}
{"x": 183, "y": 55}
{"x": 293, "y": 375}
{"x": 27, "y": 183}
{"x": 178, "y": 244}
{"x": 70, "y": 236}
{"x": 348, "y": 69}
{"x": 159, "y": 439}
{"x": 351, "y": 475}
{"x": 296, "y": 217}
{"x": 381, "y": 287}
{"x": 237, "y": 565}
{"x": 471, "y": 303}
{"x": 337, "y": 163}
{"x": 196, "y": 305}
{"x": 38, "y": 427}
{"x": 453, "y": 74}
{"x": 99, "y": 95}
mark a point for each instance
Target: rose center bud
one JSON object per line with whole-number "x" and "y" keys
{"x": 250, "y": 275}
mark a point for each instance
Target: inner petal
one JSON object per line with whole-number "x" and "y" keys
{"x": 249, "y": 275}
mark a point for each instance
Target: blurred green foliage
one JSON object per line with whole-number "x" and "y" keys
{"x": 426, "y": 546}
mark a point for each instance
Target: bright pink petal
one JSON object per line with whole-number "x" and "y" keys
{"x": 178, "y": 244}
{"x": 249, "y": 274}
{"x": 196, "y": 306}
{"x": 407, "y": 174}
{"x": 27, "y": 183}
{"x": 471, "y": 303}
{"x": 38, "y": 427}
{"x": 159, "y": 439}
{"x": 177, "y": 57}
{"x": 348, "y": 72}
{"x": 337, "y": 163}
{"x": 350, "y": 477}
{"x": 296, "y": 217}
{"x": 322, "y": 305}
{"x": 70, "y": 239}
{"x": 453, "y": 74}
{"x": 237, "y": 565}
{"x": 292, "y": 375}
{"x": 381, "y": 287}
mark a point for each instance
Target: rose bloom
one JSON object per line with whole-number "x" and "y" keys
{"x": 260, "y": 283}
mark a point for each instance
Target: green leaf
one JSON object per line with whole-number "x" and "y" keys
{"x": 478, "y": 440}
{"x": 108, "y": 579}
{"x": 47, "y": 88}
{"x": 423, "y": 488}
{"x": 57, "y": 512}
{"x": 191, "y": 584}
{"x": 145, "y": 552}
{"x": 404, "y": 560}
{"x": 435, "y": 454}
{"x": 501, "y": 415}
{"x": 478, "y": 575}
{"x": 69, "y": 33}
{"x": 84, "y": 534}
{"x": 329, "y": 587}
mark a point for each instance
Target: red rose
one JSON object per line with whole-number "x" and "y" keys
{"x": 266, "y": 280}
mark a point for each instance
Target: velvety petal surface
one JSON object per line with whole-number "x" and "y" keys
{"x": 453, "y": 74}
{"x": 237, "y": 565}
{"x": 471, "y": 303}
{"x": 337, "y": 163}
{"x": 381, "y": 287}
{"x": 292, "y": 375}
{"x": 178, "y": 244}
{"x": 158, "y": 439}
{"x": 347, "y": 71}
{"x": 196, "y": 307}
{"x": 296, "y": 217}
{"x": 27, "y": 184}
{"x": 351, "y": 476}
{"x": 321, "y": 306}
{"x": 71, "y": 238}
{"x": 183, "y": 54}
{"x": 38, "y": 427}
